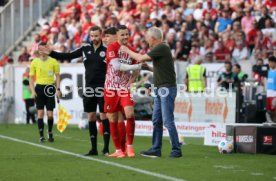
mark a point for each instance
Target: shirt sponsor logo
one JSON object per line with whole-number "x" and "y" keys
{"x": 267, "y": 140}
{"x": 245, "y": 139}
{"x": 111, "y": 54}
{"x": 102, "y": 53}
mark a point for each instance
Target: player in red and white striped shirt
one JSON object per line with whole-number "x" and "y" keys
{"x": 117, "y": 95}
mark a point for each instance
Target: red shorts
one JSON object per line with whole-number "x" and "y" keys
{"x": 269, "y": 105}
{"x": 115, "y": 100}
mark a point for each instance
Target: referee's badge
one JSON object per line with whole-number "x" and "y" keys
{"x": 50, "y": 73}
{"x": 102, "y": 53}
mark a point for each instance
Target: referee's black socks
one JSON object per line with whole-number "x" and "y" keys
{"x": 93, "y": 134}
{"x": 106, "y": 135}
{"x": 40, "y": 127}
{"x": 50, "y": 126}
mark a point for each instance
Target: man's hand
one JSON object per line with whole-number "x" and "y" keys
{"x": 145, "y": 66}
{"x": 45, "y": 49}
{"x": 124, "y": 49}
{"x": 58, "y": 94}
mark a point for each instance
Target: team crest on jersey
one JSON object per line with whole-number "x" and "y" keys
{"x": 111, "y": 54}
{"x": 102, "y": 53}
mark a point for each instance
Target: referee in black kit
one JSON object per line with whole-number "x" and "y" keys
{"x": 95, "y": 69}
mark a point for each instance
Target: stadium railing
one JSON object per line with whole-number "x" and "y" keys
{"x": 18, "y": 18}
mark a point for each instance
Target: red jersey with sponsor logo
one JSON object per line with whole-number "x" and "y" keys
{"x": 116, "y": 79}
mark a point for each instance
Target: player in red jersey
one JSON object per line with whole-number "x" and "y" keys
{"x": 110, "y": 36}
{"x": 117, "y": 94}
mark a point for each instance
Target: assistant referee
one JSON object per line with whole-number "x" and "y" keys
{"x": 45, "y": 69}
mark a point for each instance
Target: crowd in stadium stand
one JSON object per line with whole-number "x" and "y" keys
{"x": 219, "y": 30}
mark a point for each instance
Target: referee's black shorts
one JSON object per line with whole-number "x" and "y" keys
{"x": 92, "y": 97}
{"x": 45, "y": 97}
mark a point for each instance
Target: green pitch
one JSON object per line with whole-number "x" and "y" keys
{"x": 25, "y": 162}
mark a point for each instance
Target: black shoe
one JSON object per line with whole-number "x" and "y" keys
{"x": 150, "y": 153}
{"x": 51, "y": 139}
{"x": 42, "y": 139}
{"x": 92, "y": 153}
{"x": 176, "y": 155}
{"x": 105, "y": 152}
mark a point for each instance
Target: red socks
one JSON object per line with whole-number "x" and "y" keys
{"x": 119, "y": 131}
{"x": 114, "y": 131}
{"x": 122, "y": 135}
{"x": 130, "y": 129}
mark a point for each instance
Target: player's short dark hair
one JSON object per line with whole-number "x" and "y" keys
{"x": 121, "y": 27}
{"x": 96, "y": 28}
{"x": 110, "y": 31}
{"x": 272, "y": 59}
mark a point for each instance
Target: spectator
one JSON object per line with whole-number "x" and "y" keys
{"x": 194, "y": 52}
{"x": 240, "y": 52}
{"x": 209, "y": 21}
{"x": 264, "y": 17}
{"x": 224, "y": 23}
{"x": 236, "y": 29}
{"x": 240, "y": 76}
{"x": 178, "y": 21}
{"x": 24, "y": 56}
{"x": 228, "y": 41}
{"x": 247, "y": 21}
{"x": 37, "y": 40}
{"x": 72, "y": 28}
{"x": 237, "y": 15}
{"x": 226, "y": 79}
{"x": 184, "y": 10}
{"x": 198, "y": 12}
{"x": 209, "y": 57}
{"x": 144, "y": 47}
{"x": 251, "y": 36}
{"x": 260, "y": 71}
{"x": 96, "y": 18}
{"x": 269, "y": 30}
{"x": 208, "y": 47}
{"x": 53, "y": 37}
{"x": 156, "y": 13}
{"x": 87, "y": 24}
{"x": 209, "y": 9}
{"x": 181, "y": 51}
{"x": 73, "y": 8}
{"x": 222, "y": 54}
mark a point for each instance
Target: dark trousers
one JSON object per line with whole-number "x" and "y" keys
{"x": 29, "y": 103}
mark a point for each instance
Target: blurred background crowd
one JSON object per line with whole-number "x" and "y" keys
{"x": 218, "y": 30}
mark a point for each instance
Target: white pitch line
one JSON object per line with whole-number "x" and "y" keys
{"x": 76, "y": 139}
{"x": 153, "y": 174}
